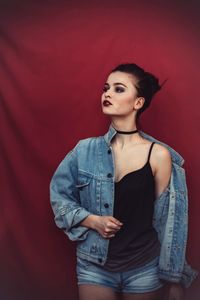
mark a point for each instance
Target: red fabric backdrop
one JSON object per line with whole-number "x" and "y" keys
{"x": 54, "y": 57}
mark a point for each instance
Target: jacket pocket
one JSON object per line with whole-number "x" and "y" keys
{"x": 89, "y": 190}
{"x": 82, "y": 185}
{"x": 84, "y": 189}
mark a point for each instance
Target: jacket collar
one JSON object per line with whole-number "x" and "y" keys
{"x": 176, "y": 157}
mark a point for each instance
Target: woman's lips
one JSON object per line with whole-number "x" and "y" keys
{"x": 106, "y": 103}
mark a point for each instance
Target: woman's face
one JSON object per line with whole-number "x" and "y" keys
{"x": 119, "y": 94}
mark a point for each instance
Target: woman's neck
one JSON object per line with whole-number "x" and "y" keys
{"x": 123, "y": 140}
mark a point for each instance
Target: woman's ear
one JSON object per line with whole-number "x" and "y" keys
{"x": 139, "y": 102}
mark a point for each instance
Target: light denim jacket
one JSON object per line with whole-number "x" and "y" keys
{"x": 83, "y": 184}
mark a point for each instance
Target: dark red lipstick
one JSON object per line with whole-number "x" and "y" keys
{"x": 106, "y": 103}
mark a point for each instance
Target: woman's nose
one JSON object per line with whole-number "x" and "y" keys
{"x": 107, "y": 94}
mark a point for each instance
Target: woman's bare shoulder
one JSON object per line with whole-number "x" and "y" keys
{"x": 161, "y": 152}
{"x": 161, "y": 159}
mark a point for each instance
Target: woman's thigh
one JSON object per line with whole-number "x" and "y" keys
{"x": 89, "y": 291}
{"x": 96, "y": 292}
{"x": 160, "y": 294}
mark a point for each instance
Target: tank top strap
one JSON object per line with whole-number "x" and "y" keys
{"x": 150, "y": 150}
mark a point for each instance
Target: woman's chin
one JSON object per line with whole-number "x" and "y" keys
{"x": 107, "y": 113}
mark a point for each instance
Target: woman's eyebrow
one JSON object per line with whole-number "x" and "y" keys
{"x": 116, "y": 83}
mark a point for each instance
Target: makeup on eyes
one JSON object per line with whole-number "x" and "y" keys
{"x": 118, "y": 87}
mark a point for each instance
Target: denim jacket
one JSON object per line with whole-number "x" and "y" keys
{"x": 83, "y": 184}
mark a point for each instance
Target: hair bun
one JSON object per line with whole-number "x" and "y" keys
{"x": 153, "y": 82}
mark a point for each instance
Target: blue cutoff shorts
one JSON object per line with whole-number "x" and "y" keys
{"x": 138, "y": 280}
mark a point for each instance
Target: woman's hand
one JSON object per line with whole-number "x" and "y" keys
{"x": 176, "y": 292}
{"x": 107, "y": 226}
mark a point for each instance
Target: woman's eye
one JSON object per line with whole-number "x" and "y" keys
{"x": 119, "y": 89}
{"x": 105, "y": 88}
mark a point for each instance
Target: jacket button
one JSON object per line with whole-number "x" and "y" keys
{"x": 106, "y": 205}
{"x": 109, "y": 151}
{"x": 109, "y": 175}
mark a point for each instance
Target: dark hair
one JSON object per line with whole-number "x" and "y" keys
{"x": 147, "y": 84}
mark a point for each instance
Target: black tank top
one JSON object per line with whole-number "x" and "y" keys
{"x": 136, "y": 243}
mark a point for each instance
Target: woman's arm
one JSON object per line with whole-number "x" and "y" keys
{"x": 162, "y": 163}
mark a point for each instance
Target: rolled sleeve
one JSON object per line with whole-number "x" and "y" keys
{"x": 64, "y": 199}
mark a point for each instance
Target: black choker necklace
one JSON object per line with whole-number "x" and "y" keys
{"x": 127, "y": 132}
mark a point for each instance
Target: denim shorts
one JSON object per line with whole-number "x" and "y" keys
{"x": 138, "y": 280}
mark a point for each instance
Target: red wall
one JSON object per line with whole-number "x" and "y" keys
{"x": 54, "y": 58}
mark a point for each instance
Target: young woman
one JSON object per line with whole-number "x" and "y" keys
{"x": 123, "y": 198}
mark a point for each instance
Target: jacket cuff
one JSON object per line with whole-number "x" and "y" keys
{"x": 78, "y": 232}
{"x": 169, "y": 277}
{"x": 185, "y": 279}
{"x": 189, "y": 274}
